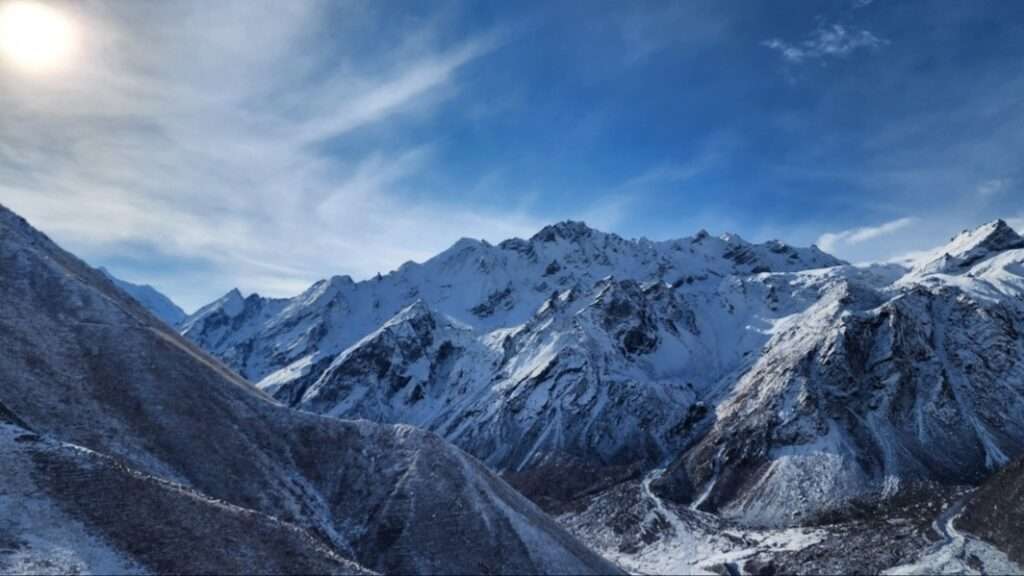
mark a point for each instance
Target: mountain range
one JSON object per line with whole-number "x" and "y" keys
{"x": 704, "y": 404}
{"x": 772, "y": 386}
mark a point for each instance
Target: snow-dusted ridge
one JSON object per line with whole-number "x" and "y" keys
{"x": 560, "y": 337}
{"x": 484, "y": 286}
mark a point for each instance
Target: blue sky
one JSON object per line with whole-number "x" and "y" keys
{"x": 200, "y": 146}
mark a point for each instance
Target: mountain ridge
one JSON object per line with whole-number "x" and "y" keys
{"x": 90, "y": 371}
{"x": 607, "y": 352}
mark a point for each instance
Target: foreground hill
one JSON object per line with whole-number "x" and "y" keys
{"x": 103, "y": 406}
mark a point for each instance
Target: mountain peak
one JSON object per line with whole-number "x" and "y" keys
{"x": 972, "y": 246}
{"x": 570, "y": 230}
{"x": 231, "y": 303}
{"x": 732, "y": 238}
{"x": 995, "y": 236}
{"x": 462, "y": 248}
{"x": 327, "y": 288}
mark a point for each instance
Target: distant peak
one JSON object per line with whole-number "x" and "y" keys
{"x": 465, "y": 251}
{"x": 570, "y": 230}
{"x": 327, "y": 289}
{"x": 332, "y": 282}
{"x": 230, "y": 304}
{"x": 466, "y": 242}
{"x": 1002, "y": 229}
{"x": 972, "y": 246}
{"x": 459, "y": 249}
{"x": 731, "y": 238}
{"x": 995, "y": 236}
{"x": 232, "y": 298}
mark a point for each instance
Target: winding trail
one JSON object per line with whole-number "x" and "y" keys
{"x": 951, "y": 554}
{"x": 698, "y": 544}
{"x": 659, "y": 506}
{"x": 948, "y": 552}
{"x": 944, "y": 526}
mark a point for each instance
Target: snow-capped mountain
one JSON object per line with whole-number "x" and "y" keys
{"x": 966, "y": 249}
{"x": 483, "y": 286}
{"x": 573, "y": 343}
{"x": 779, "y": 383}
{"x": 152, "y": 299}
{"x": 871, "y": 388}
{"x": 124, "y": 448}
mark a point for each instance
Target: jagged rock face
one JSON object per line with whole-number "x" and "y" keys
{"x": 867, "y": 390}
{"x": 85, "y": 367}
{"x": 483, "y": 286}
{"x": 553, "y": 386}
{"x": 970, "y": 247}
{"x": 401, "y": 373}
{"x": 610, "y": 378}
{"x": 573, "y": 342}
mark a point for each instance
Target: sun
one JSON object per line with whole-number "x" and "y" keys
{"x": 35, "y": 37}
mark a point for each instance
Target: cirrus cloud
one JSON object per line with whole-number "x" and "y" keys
{"x": 239, "y": 144}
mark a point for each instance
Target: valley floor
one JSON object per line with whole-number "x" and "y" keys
{"x": 956, "y": 552}
{"x": 914, "y": 535}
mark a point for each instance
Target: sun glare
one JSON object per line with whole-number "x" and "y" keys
{"x": 35, "y": 37}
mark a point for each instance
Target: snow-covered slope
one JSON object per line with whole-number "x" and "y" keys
{"x": 872, "y": 388}
{"x": 152, "y": 299}
{"x": 779, "y": 383}
{"x": 483, "y": 286}
{"x": 574, "y": 343}
{"x": 183, "y": 440}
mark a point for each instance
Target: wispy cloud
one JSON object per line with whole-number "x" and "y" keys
{"x": 994, "y": 187}
{"x": 393, "y": 93}
{"x": 834, "y": 241}
{"x": 644, "y": 33}
{"x": 210, "y": 132}
{"x": 825, "y": 42}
